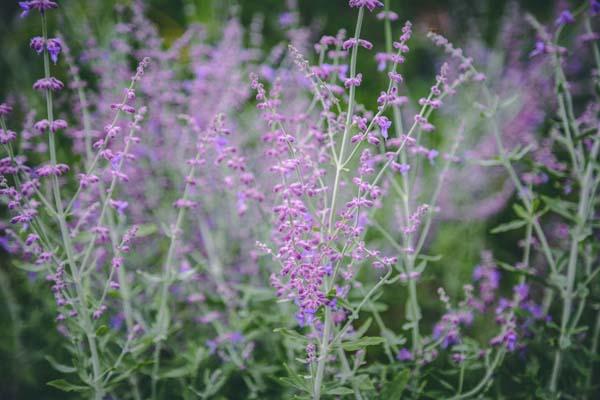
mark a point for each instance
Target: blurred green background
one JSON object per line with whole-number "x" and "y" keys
{"x": 172, "y": 16}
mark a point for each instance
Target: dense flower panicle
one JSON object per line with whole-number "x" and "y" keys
{"x": 53, "y": 46}
{"x": 350, "y": 43}
{"x": 40, "y": 5}
{"x": 50, "y": 83}
{"x": 565, "y": 18}
{"x": 5, "y": 109}
{"x": 7, "y": 136}
{"x": 389, "y": 15}
{"x": 356, "y": 81}
{"x": 369, "y": 4}
{"x": 52, "y": 170}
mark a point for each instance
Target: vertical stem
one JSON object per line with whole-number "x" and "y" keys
{"x": 324, "y": 348}
{"x": 593, "y": 351}
{"x": 162, "y": 323}
{"x": 350, "y": 112}
{"x": 582, "y": 217}
{"x": 323, "y": 353}
{"x": 86, "y": 321}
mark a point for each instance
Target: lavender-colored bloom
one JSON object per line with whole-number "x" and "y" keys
{"x": 287, "y": 19}
{"x": 7, "y": 136}
{"x": 58, "y": 125}
{"x": 540, "y": 48}
{"x": 369, "y": 4}
{"x": 522, "y": 291}
{"x": 311, "y": 354}
{"x": 404, "y": 355}
{"x": 54, "y": 48}
{"x": 119, "y": 205}
{"x": 399, "y": 167}
{"x": 50, "y": 83}
{"x": 37, "y": 44}
{"x": 565, "y": 18}
{"x": 389, "y": 15}
{"x": 5, "y": 109}
{"x": 40, "y": 5}
{"x": 458, "y": 357}
{"x": 384, "y": 124}
{"x": 356, "y": 81}
{"x": 594, "y": 7}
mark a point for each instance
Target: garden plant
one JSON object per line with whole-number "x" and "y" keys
{"x": 225, "y": 216}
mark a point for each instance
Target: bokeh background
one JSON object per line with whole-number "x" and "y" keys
{"x": 460, "y": 20}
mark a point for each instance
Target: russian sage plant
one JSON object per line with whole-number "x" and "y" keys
{"x": 219, "y": 219}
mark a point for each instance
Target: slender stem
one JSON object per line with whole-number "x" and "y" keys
{"x": 87, "y": 324}
{"x": 593, "y": 351}
{"x": 324, "y": 347}
{"x": 576, "y": 235}
{"x": 162, "y": 323}
{"x": 484, "y": 381}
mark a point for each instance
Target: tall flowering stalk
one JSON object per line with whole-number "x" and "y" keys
{"x": 313, "y": 262}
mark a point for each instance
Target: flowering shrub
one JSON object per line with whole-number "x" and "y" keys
{"x": 214, "y": 220}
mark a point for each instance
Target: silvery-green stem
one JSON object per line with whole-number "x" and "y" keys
{"x": 324, "y": 347}
{"x": 84, "y": 314}
{"x": 162, "y": 322}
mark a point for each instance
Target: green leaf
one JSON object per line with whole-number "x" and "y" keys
{"x": 176, "y": 373}
{"x": 102, "y": 330}
{"x": 339, "y": 391}
{"x": 509, "y": 226}
{"x": 65, "y": 369}
{"x": 67, "y": 386}
{"x": 395, "y": 388}
{"x": 146, "y": 230}
{"x": 295, "y": 380}
{"x": 362, "y": 343}
{"x": 364, "y": 327}
{"x": 374, "y": 306}
{"x": 521, "y": 212}
{"x": 31, "y": 268}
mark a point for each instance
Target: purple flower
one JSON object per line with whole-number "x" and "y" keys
{"x": 58, "y": 125}
{"x": 432, "y": 155}
{"x": 40, "y": 5}
{"x": 119, "y": 205}
{"x": 540, "y": 48}
{"x": 7, "y": 136}
{"x": 389, "y": 15}
{"x": 384, "y": 124}
{"x": 565, "y": 18}
{"x": 369, "y": 4}
{"x": 54, "y": 48}
{"x": 404, "y": 355}
{"x": 395, "y": 77}
{"x": 48, "y": 84}
{"x": 510, "y": 340}
{"x": 97, "y": 314}
{"x": 356, "y": 81}
{"x": 398, "y": 167}
{"x": 37, "y": 44}
{"x": 595, "y": 7}
{"x": 5, "y": 109}
{"x": 522, "y": 291}
{"x": 287, "y": 19}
